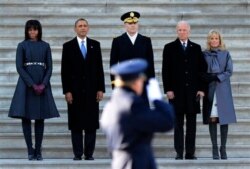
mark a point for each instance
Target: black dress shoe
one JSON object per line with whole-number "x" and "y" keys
{"x": 39, "y": 157}
{"x": 190, "y": 157}
{"x": 31, "y": 157}
{"x": 76, "y": 158}
{"x": 179, "y": 157}
{"x": 31, "y": 154}
{"x": 89, "y": 158}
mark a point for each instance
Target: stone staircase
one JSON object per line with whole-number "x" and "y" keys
{"x": 159, "y": 18}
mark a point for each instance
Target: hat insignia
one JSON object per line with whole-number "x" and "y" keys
{"x": 132, "y": 14}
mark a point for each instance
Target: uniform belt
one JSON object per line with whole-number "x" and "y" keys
{"x": 35, "y": 63}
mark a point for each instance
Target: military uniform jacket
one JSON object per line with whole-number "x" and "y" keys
{"x": 129, "y": 125}
{"x": 83, "y": 78}
{"x": 123, "y": 49}
{"x": 181, "y": 73}
{"x": 25, "y": 103}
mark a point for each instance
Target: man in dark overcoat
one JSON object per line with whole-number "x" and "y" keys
{"x": 183, "y": 63}
{"x": 83, "y": 85}
{"x": 132, "y": 45}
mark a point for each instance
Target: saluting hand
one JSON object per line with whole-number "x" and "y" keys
{"x": 99, "y": 96}
{"x": 69, "y": 98}
{"x": 200, "y": 93}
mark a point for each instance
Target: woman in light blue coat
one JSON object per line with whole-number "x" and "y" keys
{"x": 218, "y": 104}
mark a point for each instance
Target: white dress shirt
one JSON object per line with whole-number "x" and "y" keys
{"x": 79, "y": 40}
{"x": 133, "y": 38}
{"x": 184, "y": 42}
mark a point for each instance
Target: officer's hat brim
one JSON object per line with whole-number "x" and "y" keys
{"x": 129, "y": 69}
{"x": 130, "y": 17}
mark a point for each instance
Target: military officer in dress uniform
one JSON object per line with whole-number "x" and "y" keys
{"x": 128, "y": 123}
{"x": 132, "y": 45}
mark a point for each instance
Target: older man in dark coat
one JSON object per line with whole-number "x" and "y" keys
{"x": 183, "y": 63}
{"x": 83, "y": 86}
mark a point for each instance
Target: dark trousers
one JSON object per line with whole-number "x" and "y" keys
{"x": 89, "y": 142}
{"x": 190, "y": 133}
{"x": 39, "y": 129}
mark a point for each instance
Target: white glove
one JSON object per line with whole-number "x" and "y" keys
{"x": 153, "y": 90}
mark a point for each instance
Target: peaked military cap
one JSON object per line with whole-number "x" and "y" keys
{"x": 130, "y": 17}
{"x": 129, "y": 69}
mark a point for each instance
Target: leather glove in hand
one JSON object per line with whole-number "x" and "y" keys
{"x": 38, "y": 89}
{"x": 41, "y": 88}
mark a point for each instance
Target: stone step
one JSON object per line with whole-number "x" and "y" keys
{"x": 162, "y": 163}
{"x": 161, "y": 151}
{"x": 113, "y": 18}
{"x": 11, "y": 76}
{"x": 5, "y": 100}
{"x": 60, "y": 125}
{"x": 158, "y": 21}
{"x": 9, "y": 88}
{"x": 132, "y": 2}
{"x": 50, "y": 139}
{"x": 151, "y": 29}
{"x": 10, "y": 63}
{"x": 241, "y": 112}
{"x": 147, "y": 23}
{"x": 81, "y": 7}
{"x": 9, "y": 54}
{"x": 158, "y": 40}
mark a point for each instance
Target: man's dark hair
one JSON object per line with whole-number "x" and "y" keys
{"x": 80, "y": 19}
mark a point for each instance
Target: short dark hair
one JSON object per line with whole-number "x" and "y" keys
{"x": 35, "y": 24}
{"x": 80, "y": 19}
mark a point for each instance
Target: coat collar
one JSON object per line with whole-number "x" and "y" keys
{"x": 188, "y": 47}
{"x": 87, "y": 39}
{"x": 138, "y": 38}
{"x": 89, "y": 46}
{"x": 189, "y": 43}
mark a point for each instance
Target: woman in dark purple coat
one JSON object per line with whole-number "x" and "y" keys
{"x": 33, "y": 98}
{"x": 218, "y": 100}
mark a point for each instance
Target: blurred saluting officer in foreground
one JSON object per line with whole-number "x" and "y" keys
{"x": 128, "y": 122}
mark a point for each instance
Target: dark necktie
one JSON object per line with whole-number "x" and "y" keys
{"x": 184, "y": 46}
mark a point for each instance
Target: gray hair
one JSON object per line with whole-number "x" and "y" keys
{"x": 183, "y": 22}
